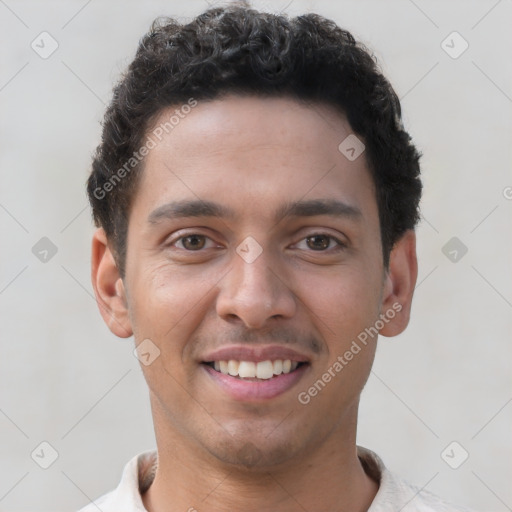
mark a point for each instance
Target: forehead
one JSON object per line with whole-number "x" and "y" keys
{"x": 251, "y": 151}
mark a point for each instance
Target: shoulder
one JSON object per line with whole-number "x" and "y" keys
{"x": 396, "y": 493}
{"x": 126, "y": 496}
{"x": 100, "y": 503}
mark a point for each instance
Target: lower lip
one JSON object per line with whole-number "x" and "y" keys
{"x": 248, "y": 390}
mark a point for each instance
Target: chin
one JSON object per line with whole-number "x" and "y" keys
{"x": 253, "y": 452}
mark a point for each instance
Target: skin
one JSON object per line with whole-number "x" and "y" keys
{"x": 190, "y": 296}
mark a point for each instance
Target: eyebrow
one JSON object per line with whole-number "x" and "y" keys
{"x": 314, "y": 207}
{"x": 190, "y": 208}
{"x": 302, "y": 208}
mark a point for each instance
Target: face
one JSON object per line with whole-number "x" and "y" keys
{"x": 254, "y": 262}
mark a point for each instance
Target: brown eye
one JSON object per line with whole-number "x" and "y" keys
{"x": 318, "y": 242}
{"x": 193, "y": 242}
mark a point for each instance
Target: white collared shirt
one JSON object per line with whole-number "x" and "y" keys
{"x": 394, "y": 494}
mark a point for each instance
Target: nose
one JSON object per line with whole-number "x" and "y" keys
{"x": 254, "y": 293}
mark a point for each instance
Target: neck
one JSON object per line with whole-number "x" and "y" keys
{"x": 331, "y": 478}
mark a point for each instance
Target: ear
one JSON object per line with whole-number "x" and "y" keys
{"x": 399, "y": 284}
{"x": 109, "y": 287}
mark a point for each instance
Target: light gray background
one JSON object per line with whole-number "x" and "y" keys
{"x": 65, "y": 379}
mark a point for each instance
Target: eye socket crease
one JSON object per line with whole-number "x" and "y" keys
{"x": 339, "y": 244}
{"x": 160, "y": 217}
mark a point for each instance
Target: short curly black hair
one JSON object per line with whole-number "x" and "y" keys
{"x": 239, "y": 50}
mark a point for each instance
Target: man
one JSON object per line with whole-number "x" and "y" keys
{"x": 256, "y": 197}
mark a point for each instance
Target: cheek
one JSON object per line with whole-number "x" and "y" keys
{"x": 165, "y": 305}
{"x": 166, "y": 311}
{"x": 342, "y": 313}
{"x": 345, "y": 302}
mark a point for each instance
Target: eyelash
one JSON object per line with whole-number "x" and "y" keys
{"x": 339, "y": 244}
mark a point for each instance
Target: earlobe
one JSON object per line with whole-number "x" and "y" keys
{"x": 109, "y": 287}
{"x": 399, "y": 285}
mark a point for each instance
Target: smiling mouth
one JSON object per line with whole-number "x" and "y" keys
{"x": 255, "y": 371}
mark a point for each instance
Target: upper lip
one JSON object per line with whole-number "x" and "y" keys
{"x": 255, "y": 353}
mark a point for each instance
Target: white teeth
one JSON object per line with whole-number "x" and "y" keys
{"x": 249, "y": 369}
{"x": 264, "y": 370}
{"x": 233, "y": 367}
{"x": 223, "y": 367}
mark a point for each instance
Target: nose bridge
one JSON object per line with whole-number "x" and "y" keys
{"x": 254, "y": 280}
{"x": 253, "y": 291}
